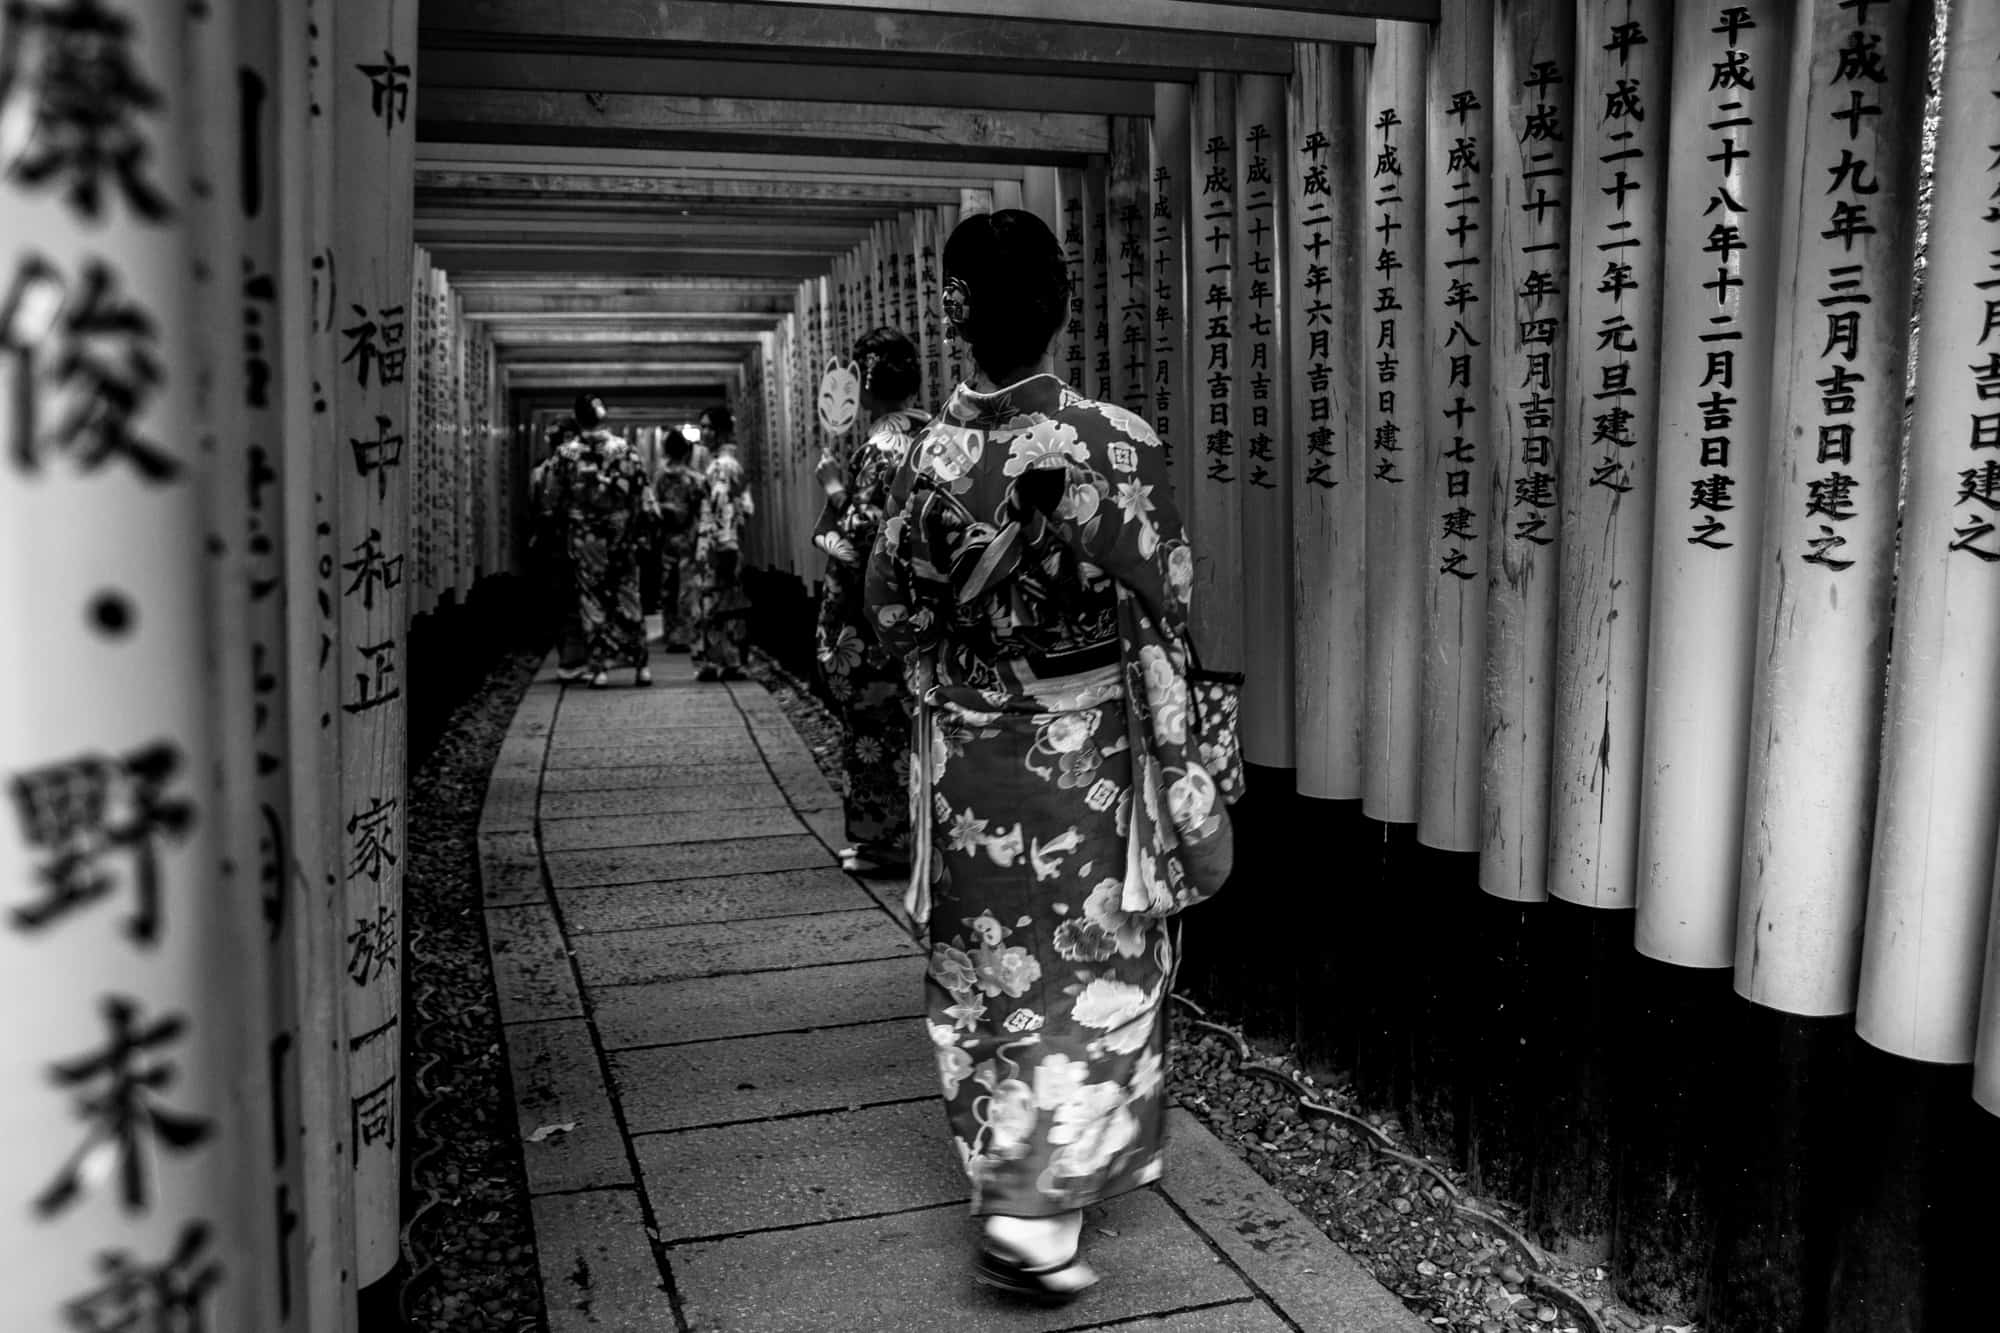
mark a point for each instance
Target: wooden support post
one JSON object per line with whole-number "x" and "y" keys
{"x": 1169, "y": 158}
{"x": 1008, "y": 194}
{"x": 1126, "y": 265}
{"x": 1214, "y": 510}
{"x": 369, "y": 266}
{"x": 1073, "y": 229}
{"x": 1041, "y": 194}
{"x": 1395, "y": 396}
{"x": 1097, "y": 289}
{"x": 140, "y": 1150}
{"x": 1931, "y": 882}
{"x": 1534, "y": 73}
{"x": 310, "y": 476}
{"x": 1724, "y": 191}
{"x": 271, "y": 50}
{"x": 1262, "y": 410}
{"x": 953, "y": 363}
{"x": 928, "y": 330}
{"x": 1607, "y": 493}
{"x": 1326, "y": 165}
{"x": 1457, "y": 434}
{"x": 1827, "y": 548}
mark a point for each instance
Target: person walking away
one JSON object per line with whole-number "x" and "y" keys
{"x": 678, "y": 492}
{"x": 1034, "y": 573}
{"x": 601, "y": 489}
{"x": 722, "y": 622}
{"x": 864, "y": 679}
{"x": 548, "y": 558}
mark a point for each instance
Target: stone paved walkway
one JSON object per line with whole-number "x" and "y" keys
{"x": 728, "y": 1110}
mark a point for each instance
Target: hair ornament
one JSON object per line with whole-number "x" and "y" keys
{"x": 957, "y": 300}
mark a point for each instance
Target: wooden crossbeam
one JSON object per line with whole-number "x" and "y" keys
{"x": 838, "y": 129}
{"x": 663, "y": 287}
{"x": 444, "y": 187}
{"x": 1328, "y": 21}
{"x": 618, "y": 335}
{"x": 476, "y": 264}
{"x": 969, "y": 170}
{"x": 771, "y": 234}
{"x": 908, "y": 39}
{"x": 558, "y": 71}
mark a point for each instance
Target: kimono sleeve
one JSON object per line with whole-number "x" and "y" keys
{"x": 1119, "y": 514}
{"x": 894, "y": 610}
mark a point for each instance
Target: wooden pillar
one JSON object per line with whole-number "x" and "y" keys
{"x": 1170, "y": 156}
{"x": 1042, "y": 195}
{"x": 1126, "y": 264}
{"x": 374, "y": 130}
{"x": 1012, "y": 194}
{"x": 304, "y": 364}
{"x": 1395, "y": 397}
{"x": 1607, "y": 500}
{"x": 1097, "y": 293}
{"x": 1827, "y": 546}
{"x": 1534, "y": 73}
{"x": 139, "y": 1137}
{"x": 268, "y": 292}
{"x": 928, "y": 331}
{"x": 1262, "y": 411}
{"x": 1931, "y": 882}
{"x": 950, "y": 364}
{"x": 1457, "y": 435}
{"x": 1327, "y": 158}
{"x": 1073, "y": 228}
{"x": 1723, "y": 187}
{"x": 1215, "y": 510}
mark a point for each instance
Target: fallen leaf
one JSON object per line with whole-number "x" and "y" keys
{"x": 547, "y": 1131}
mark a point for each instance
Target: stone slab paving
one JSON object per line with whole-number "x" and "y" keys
{"x": 815, "y": 1168}
{"x": 689, "y": 985}
{"x": 685, "y": 902}
{"x": 771, "y": 1075}
{"x": 625, "y": 957}
{"x": 697, "y": 860}
{"x": 669, "y": 1013}
{"x": 662, "y": 828}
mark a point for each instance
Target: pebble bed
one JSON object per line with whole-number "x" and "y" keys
{"x": 1459, "y": 1263}
{"x": 469, "y": 1241}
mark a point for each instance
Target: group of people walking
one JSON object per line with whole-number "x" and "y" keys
{"x": 1003, "y": 627}
{"x": 599, "y": 519}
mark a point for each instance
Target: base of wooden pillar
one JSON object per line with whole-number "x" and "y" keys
{"x": 379, "y": 1305}
{"x": 1502, "y": 1046}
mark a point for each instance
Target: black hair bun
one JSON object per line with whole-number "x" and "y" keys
{"x": 1017, "y": 287}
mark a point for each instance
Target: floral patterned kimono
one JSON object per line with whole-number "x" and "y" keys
{"x": 865, "y": 679}
{"x": 1059, "y": 813}
{"x": 678, "y": 492}
{"x": 722, "y": 616}
{"x": 599, "y": 487}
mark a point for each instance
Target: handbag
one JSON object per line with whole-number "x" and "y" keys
{"x": 1216, "y": 699}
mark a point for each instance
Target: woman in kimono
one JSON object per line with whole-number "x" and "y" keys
{"x": 600, "y": 489}
{"x": 678, "y": 491}
{"x": 722, "y": 614}
{"x": 1034, "y": 573}
{"x": 865, "y": 679}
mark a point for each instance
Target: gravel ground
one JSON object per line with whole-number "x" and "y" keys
{"x": 470, "y": 1242}
{"x": 1458, "y": 1262}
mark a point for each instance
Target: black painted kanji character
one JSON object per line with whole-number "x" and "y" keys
{"x": 388, "y": 90}
{"x": 372, "y": 569}
{"x": 1820, "y": 550}
{"x": 168, "y": 1297}
{"x": 1860, "y": 59}
{"x": 1981, "y": 485}
{"x": 93, "y": 354}
{"x": 1831, "y": 495}
{"x": 373, "y": 839}
{"x": 1708, "y": 533}
{"x": 371, "y": 687}
{"x": 374, "y": 1114}
{"x": 378, "y": 455}
{"x": 68, "y": 78}
{"x": 379, "y": 345}
{"x": 116, "y": 1086}
{"x": 80, "y": 810}
{"x": 1711, "y": 491}
{"x": 1625, "y": 36}
{"x": 1456, "y": 563}
{"x": 1732, "y": 21}
{"x": 372, "y": 945}
{"x": 1732, "y": 71}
